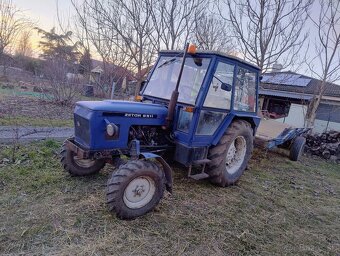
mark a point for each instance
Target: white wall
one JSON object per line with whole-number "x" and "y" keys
{"x": 296, "y": 116}
{"x": 320, "y": 126}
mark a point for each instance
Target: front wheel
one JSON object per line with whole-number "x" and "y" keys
{"x": 135, "y": 189}
{"x": 77, "y": 166}
{"x": 229, "y": 158}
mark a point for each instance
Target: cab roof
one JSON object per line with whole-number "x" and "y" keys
{"x": 216, "y": 53}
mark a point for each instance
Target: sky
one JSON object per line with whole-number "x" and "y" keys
{"x": 44, "y": 13}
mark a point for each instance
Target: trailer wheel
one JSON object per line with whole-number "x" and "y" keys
{"x": 229, "y": 158}
{"x": 79, "y": 167}
{"x": 135, "y": 189}
{"x": 296, "y": 149}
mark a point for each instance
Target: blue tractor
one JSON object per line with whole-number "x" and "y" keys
{"x": 198, "y": 108}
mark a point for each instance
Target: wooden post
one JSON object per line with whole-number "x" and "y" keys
{"x": 113, "y": 89}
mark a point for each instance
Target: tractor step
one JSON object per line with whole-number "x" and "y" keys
{"x": 199, "y": 176}
{"x": 201, "y": 161}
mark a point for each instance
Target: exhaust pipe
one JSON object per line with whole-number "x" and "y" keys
{"x": 175, "y": 93}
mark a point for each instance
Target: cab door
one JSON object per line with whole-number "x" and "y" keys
{"x": 216, "y": 105}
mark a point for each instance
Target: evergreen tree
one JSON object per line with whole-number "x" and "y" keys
{"x": 85, "y": 62}
{"x": 58, "y": 46}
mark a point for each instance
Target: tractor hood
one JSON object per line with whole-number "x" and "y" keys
{"x": 92, "y": 117}
{"x": 126, "y": 108}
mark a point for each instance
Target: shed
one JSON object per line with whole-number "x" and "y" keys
{"x": 286, "y": 96}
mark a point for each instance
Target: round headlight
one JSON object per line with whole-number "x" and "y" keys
{"x": 111, "y": 129}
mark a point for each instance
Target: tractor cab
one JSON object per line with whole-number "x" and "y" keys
{"x": 214, "y": 89}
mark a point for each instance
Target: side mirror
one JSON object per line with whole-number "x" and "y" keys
{"x": 226, "y": 87}
{"x": 142, "y": 85}
{"x": 198, "y": 61}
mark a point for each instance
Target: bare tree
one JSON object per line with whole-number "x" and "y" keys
{"x": 211, "y": 33}
{"x": 129, "y": 33}
{"x": 135, "y": 30}
{"x": 119, "y": 31}
{"x": 60, "y": 56}
{"x": 64, "y": 86}
{"x": 24, "y": 44}
{"x": 268, "y": 31}
{"x": 174, "y": 21}
{"x": 94, "y": 36}
{"x": 326, "y": 63}
{"x": 12, "y": 22}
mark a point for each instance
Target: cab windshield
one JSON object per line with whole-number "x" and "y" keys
{"x": 164, "y": 77}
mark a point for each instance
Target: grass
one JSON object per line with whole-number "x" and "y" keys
{"x": 36, "y": 121}
{"x": 16, "y": 92}
{"x": 279, "y": 207}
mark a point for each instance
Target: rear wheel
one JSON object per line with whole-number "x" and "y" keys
{"x": 229, "y": 158}
{"x": 135, "y": 189}
{"x": 296, "y": 148}
{"x": 77, "y": 166}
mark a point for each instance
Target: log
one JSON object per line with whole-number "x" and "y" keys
{"x": 326, "y": 154}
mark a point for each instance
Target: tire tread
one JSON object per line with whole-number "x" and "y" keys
{"x": 217, "y": 153}
{"x": 121, "y": 178}
{"x": 67, "y": 162}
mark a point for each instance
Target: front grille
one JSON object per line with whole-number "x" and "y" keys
{"x": 82, "y": 128}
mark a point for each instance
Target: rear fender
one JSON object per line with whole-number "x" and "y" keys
{"x": 253, "y": 120}
{"x": 166, "y": 168}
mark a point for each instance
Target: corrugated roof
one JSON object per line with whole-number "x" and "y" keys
{"x": 311, "y": 89}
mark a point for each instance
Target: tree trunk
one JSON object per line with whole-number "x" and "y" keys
{"x": 313, "y": 108}
{"x": 315, "y": 104}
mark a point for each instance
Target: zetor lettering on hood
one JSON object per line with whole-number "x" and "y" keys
{"x": 140, "y": 115}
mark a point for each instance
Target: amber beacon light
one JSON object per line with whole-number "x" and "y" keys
{"x": 138, "y": 98}
{"x": 192, "y": 49}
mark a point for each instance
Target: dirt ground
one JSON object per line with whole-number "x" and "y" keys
{"x": 279, "y": 207}
{"x": 34, "y": 108}
{"x": 25, "y": 107}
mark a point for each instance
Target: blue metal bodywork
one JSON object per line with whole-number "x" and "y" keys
{"x": 288, "y": 134}
{"x": 95, "y": 115}
{"x": 122, "y": 113}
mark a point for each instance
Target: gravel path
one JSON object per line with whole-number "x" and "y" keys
{"x": 30, "y": 133}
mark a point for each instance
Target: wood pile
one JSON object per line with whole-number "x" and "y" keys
{"x": 326, "y": 145}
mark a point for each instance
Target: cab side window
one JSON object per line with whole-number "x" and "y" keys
{"x": 217, "y": 97}
{"x": 245, "y": 90}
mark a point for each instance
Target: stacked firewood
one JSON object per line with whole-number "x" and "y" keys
{"x": 326, "y": 145}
